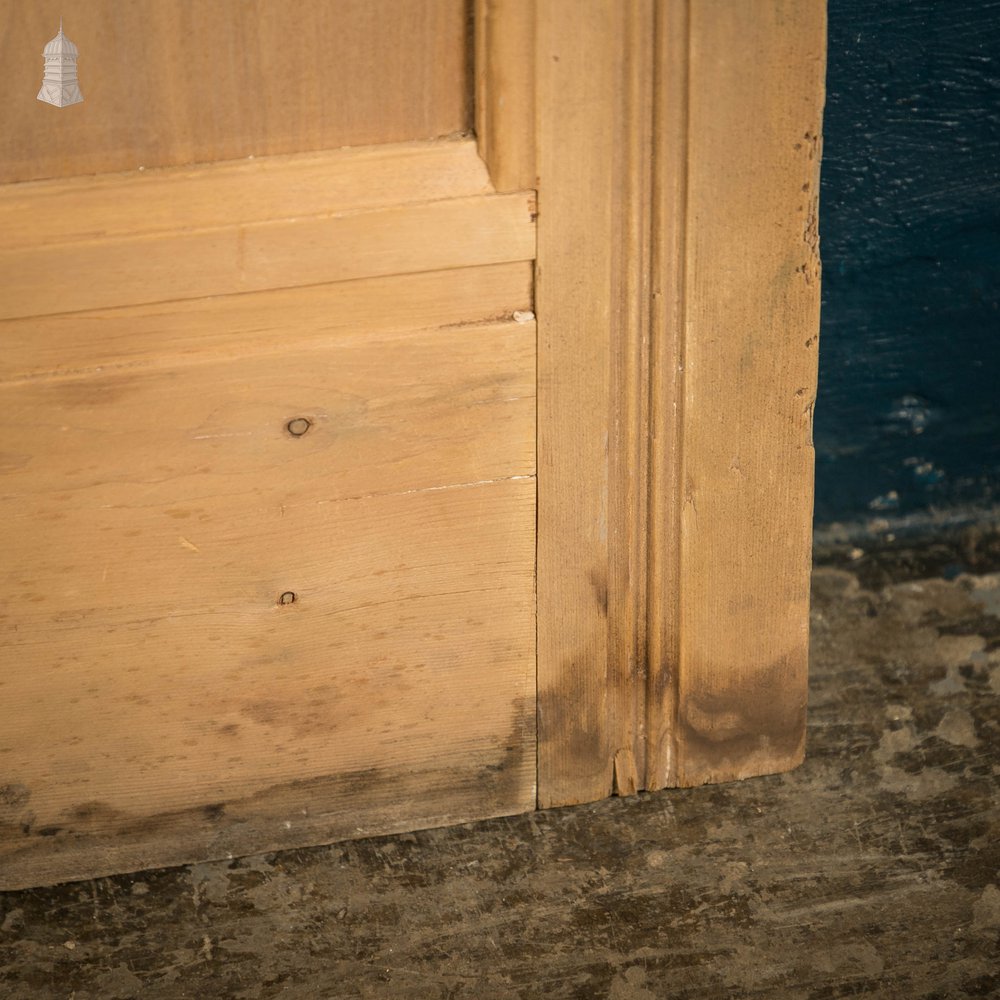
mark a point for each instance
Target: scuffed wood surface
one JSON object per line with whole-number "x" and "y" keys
{"x": 174, "y": 688}
{"x": 677, "y": 296}
{"x": 594, "y": 94}
{"x": 150, "y": 533}
{"x": 736, "y": 382}
{"x": 268, "y": 572}
{"x": 169, "y": 82}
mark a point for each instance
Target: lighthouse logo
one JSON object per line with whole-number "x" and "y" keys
{"x": 59, "y": 85}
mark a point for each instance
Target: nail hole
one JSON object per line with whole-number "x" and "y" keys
{"x": 288, "y": 597}
{"x": 298, "y": 426}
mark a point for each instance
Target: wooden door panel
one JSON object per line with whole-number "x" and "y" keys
{"x": 168, "y": 82}
{"x": 200, "y": 607}
{"x": 454, "y": 406}
{"x": 255, "y": 256}
{"x": 268, "y": 555}
{"x": 160, "y": 674}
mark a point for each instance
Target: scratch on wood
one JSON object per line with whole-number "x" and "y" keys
{"x": 425, "y": 489}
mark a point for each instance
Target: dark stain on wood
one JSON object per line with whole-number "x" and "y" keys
{"x": 92, "y": 836}
{"x": 574, "y": 724}
{"x": 599, "y": 583}
{"x": 13, "y": 797}
{"x": 720, "y": 732}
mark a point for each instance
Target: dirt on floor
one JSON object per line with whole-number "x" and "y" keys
{"x": 872, "y": 870}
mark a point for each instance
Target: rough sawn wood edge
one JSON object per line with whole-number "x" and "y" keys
{"x": 736, "y": 291}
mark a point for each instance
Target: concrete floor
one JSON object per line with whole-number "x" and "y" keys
{"x": 871, "y": 871}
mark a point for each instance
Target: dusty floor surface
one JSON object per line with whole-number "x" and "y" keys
{"x": 870, "y": 871}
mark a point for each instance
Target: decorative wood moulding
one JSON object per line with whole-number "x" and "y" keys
{"x": 676, "y": 156}
{"x": 428, "y": 213}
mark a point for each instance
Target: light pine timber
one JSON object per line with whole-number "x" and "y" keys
{"x": 505, "y": 68}
{"x": 677, "y": 300}
{"x": 648, "y": 685}
{"x": 92, "y": 243}
{"x": 38, "y": 213}
{"x": 395, "y": 693}
{"x": 736, "y": 301}
{"x": 185, "y": 332}
{"x": 253, "y": 256}
{"x": 145, "y": 558}
{"x": 169, "y": 82}
{"x": 157, "y": 508}
{"x": 453, "y": 406}
{"x": 594, "y": 66}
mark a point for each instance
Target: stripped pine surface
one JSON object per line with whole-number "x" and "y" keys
{"x": 121, "y": 271}
{"x": 268, "y": 557}
{"x": 97, "y": 243}
{"x": 734, "y": 354}
{"x": 270, "y": 449}
{"x": 505, "y": 68}
{"x": 677, "y": 298}
{"x": 168, "y": 82}
{"x": 204, "y": 607}
{"x": 38, "y": 213}
{"x": 173, "y": 684}
{"x": 455, "y": 406}
{"x": 172, "y": 332}
{"x": 594, "y": 74}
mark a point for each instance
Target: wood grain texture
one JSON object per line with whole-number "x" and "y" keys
{"x": 217, "y": 425}
{"x": 39, "y": 213}
{"x": 168, "y": 82}
{"x": 268, "y": 544}
{"x": 505, "y": 38}
{"x": 667, "y": 364}
{"x": 677, "y": 296}
{"x": 154, "y": 518}
{"x": 174, "y": 333}
{"x": 252, "y": 256}
{"x": 397, "y": 691}
{"x": 737, "y": 279}
{"x": 241, "y": 622}
{"x": 870, "y": 873}
{"x": 594, "y": 77}
{"x": 121, "y": 240}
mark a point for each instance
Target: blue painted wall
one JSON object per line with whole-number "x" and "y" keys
{"x": 908, "y": 414}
